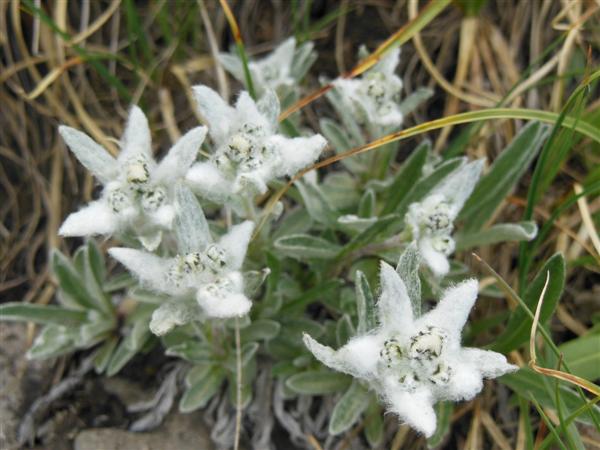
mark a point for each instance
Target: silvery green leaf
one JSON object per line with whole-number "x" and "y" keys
{"x": 365, "y": 304}
{"x": 344, "y": 329}
{"x": 92, "y": 333}
{"x": 90, "y": 154}
{"x": 304, "y": 246}
{"x": 297, "y": 221}
{"x": 191, "y": 228}
{"x": 366, "y": 206}
{"x": 104, "y": 353}
{"x": 381, "y": 227}
{"x": 42, "y": 314}
{"x": 348, "y": 409}
{"x": 262, "y": 329}
{"x": 504, "y": 173}
{"x": 193, "y": 351}
{"x": 318, "y": 382}
{"x": 408, "y": 269}
{"x": 200, "y": 393}
{"x": 520, "y": 231}
{"x": 410, "y": 103}
{"x": 355, "y": 223}
{"x": 373, "y": 423}
{"x": 407, "y": 176}
{"x": 421, "y": 188}
{"x": 316, "y": 203}
{"x": 253, "y": 280}
{"x": 94, "y": 271}
{"x": 348, "y": 120}
{"x": 341, "y": 189}
{"x": 53, "y": 340}
{"x": 71, "y": 283}
{"x": 304, "y": 58}
{"x": 341, "y": 143}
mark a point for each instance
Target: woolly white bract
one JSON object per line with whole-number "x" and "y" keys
{"x": 375, "y": 97}
{"x": 137, "y": 194}
{"x": 412, "y": 363}
{"x": 431, "y": 221}
{"x": 249, "y": 152}
{"x": 203, "y": 271}
{"x": 282, "y": 68}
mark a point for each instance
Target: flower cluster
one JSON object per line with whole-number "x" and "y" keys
{"x": 249, "y": 151}
{"x": 137, "y": 192}
{"x": 414, "y": 362}
{"x": 200, "y": 271}
{"x": 431, "y": 221}
{"x": 375, "y": 97}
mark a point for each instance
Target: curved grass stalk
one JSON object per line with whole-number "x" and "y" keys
{"x": 239, "y": 43}
{"x": 570, "y": 378}
{"x": 585, "y": 128}
{"x": 404, "y": 34}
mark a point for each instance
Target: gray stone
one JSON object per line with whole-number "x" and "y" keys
{"x": 179, "y": 432}
{"x": 20, "y": 380}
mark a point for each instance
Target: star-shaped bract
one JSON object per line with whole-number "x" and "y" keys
{"x": 137, "y": 192}
{"x": 249, "y": 152}
{"x": 431, "y": 221}
{"x": 203, "y": 270}
{"x": 412, "y": 363}
{"x": 282, "y": 68}
{"x": 375, "y": 96}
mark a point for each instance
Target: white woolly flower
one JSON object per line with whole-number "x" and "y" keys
{"x": 203, "y": 279}
{"x": 375, "y": 96}
{"x": 413, "y": 363}
{"x": 431, "y": 221}
{"x": 137, "y": 194}
{"x": 282, "y": 68}
{"x": 249, "y": 152}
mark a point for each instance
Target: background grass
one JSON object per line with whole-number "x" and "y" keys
{"x": 82, "y": 63}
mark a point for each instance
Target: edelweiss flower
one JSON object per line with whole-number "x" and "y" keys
{"x": 248, "y": 152}
{"x": 284, "y": 67}
{"x": 137, "y": 192}
{"x": 412, "y": 363}
{"x": 203, "y": 270}
{"x": 431, "y": 222}
{"x": 375, "y": 97}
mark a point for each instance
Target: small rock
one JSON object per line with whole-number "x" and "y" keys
{"x": 179, "y": 432}
{"x": 21, "y": 381}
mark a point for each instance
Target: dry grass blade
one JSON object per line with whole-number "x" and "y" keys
{"x": 581, "y": 382}
{"x": 433, "y": 8}
{"x": 586, "y": 217}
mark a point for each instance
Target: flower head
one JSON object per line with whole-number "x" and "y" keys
{"x": 282, "y": 68}
{"x": 431, "y": 221}
{"x": 414, "y": 362}
{"x": 137, "y": 192}
{"x": 205, "y": 271}
{"x": 375, "y": 96}
{"x": 249, "y": 152}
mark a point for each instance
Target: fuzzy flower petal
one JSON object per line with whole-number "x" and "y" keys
{"x": 224, "y": 301}
{"x": 412, "y": 363}
{"x": 394, "y": 308}
{"x": 136, "y": 138}
{"x": 95, "y": 218}
{"x": 149, "y": 268}
{"x": 235, "y": 243}
{"x": 249, "y": 153}
{"x": 217, "y": 113}
{"x": 356, "y": 358}
{"x": 90, "y": 154}
{"x": 181, "y": 156}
